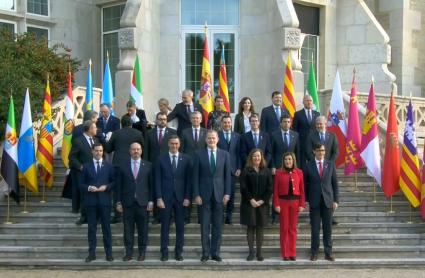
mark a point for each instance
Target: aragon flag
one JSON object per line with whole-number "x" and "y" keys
{"x": 9, "y": 161}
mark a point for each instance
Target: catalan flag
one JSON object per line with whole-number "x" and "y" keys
{"x": 223, "y": 89}
{"x": 69, "y": 123}
{"x": 26, "y": 151}
{"x": 45, "y": 140}
{"x": 288, "y": 100}
{"x": 410, "y": 180}
{"x": 205, "y": 94}
{"x": 9, "y": 160}
{"x": 89, "y": 89}
{"x": 136, "y": 94}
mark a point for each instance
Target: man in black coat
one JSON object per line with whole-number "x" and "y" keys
{"x": 81, "y": 152}
{"x": 270, "y": 115}
{"x": 78, "y": 130}
{"x": 173, "y": 193}
{"x": 106, "y": 123}
{"x": 321, "y": 187}
{"x": 135, "y": 200}
{"x": 230, "y": 142}
{"x": 96, "y": 183}
{"x": 183, "y": 111}
{"x": 211, "y": 189}
{"x": 138, "y": 117}
{"x": 321, "y": 135}
{"x": 304, "y": 122}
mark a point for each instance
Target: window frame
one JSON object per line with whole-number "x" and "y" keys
{"x": 42, "y": 15}
{"x": 15, "y": 25}
{"x": 317, "y": 60}
{"x": 10, "y": 10}
{"x": 40, "y": 27}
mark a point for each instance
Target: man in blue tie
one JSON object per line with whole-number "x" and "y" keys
{"x": 270, "y": 115}
{"x": 322, "y": 136}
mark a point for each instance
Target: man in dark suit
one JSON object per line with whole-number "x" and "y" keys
{"x": 270, "y": 115}
{"x": 173, "y": 193}
{"x": 304, "y": 122}
{"x": 96, "y": 183}
{"x": 320, "y": 135}
{"x": 106, "y": 123}
{"x": 230, "y": 142}
{"x": 81, "y": 152}
{"x": 321, "y": 187}
{"x": 211, "y": 188}
{"x": 156, "y": 145}
{"x": 135, "y": 200}
{"x": 138, "y": 117}
{"x": 183, "y": 111}
{"x": 78, "y": 130}
{"x": 255, "y": 139}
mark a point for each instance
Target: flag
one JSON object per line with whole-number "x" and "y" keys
{"x": 353, "y": 160}
{"x": 108, "y": 91}
{"x": 369, "y": 150}
{"x": 205, "y": 94}
{"x": 89, "y": 90}
{"x": 410, "y": 180}
{"x": 45, "y": 140}
{"x": 9, "y": 160}
{"x": 222, "y": 89}
{"x": 336, "y": 119}
{"x": 136, "y": 94}
{"x": 391, "y": 172}
{"x": 26, "y": 151}
{"x": 312, "y": 87}
{"x": 288, "y": 100}
{"x": 69, "y": 123}
{"x": 423, "y": 187}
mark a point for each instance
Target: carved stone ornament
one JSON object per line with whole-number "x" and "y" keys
{"x": 292, "y": 38}
{"x": 126, "y": 38}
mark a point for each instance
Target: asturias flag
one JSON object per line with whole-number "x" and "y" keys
{"x": 69, "y": 123}
{"x": 205, "y": 94}
{"x": 136, "y": 94}
{"x": 45, "y": 140}
{"x": 222, "y": 78}
{"x": 410, "y": 180}
{"x": 89, "y": 89}
{"x": 288, "y": 98}
{"x": 9, "y": 160}
{"x": 108, "y": 91}
{"x": 26, "y": 151}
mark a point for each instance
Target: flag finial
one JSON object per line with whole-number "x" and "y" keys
{"x": 90, "y": 62}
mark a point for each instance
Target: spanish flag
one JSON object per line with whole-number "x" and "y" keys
{"x": 288, "y": 99}
{"x": 205, "y": 94}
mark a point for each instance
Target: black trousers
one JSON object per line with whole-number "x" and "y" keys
{"x": 135, "y": 215}
{"x": 77, "y": 194}
{"x": 323, "y": 215}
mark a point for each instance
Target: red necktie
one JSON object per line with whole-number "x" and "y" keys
{"x": 160, "y": 137}
{"x": 320, "y": 169}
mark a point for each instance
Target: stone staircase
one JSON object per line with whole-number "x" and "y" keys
{"x": 367, "y": 236}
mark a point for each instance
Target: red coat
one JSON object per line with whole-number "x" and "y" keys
{"x": 281, "y": 185}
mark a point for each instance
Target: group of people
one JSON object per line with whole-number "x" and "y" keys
{"x": 144, "y": 167}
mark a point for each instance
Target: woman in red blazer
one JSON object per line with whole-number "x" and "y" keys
{"x": 288, "y": 200}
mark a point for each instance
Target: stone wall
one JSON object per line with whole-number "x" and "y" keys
{"x": 419, "y": 44}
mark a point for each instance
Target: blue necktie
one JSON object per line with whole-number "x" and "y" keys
{"x": 322, "y": 138}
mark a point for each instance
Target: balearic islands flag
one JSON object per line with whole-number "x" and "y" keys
{"x": 370, "y": 140}
{"x": 222, "y": 89}
{"x": 205, "y": 94}
{"x": 136, "y": 94}
{"x": 288, "y": 97}
{"x": 9, "y": 160}
{"x": 69, "y": 123}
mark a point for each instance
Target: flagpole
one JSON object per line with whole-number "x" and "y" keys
{"x": 8, "y": 222}
{"x": 355, "y": 182}
{"x": 374, "y": 192}
{"x": 43, "y": 198}
{"x": 391, "y": 205}
{"x": 410, "y": 214}
{"x": 25, "y": 200}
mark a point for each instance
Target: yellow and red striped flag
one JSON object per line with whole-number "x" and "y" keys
{"x": 205, "y": 94}
{"x": 223, "y": 89}
{"x": 423, "y": 187}
{"x": 45, "y": 140}
{"x": 410, "y": 180}
{"x": 288, "y": 100}
{"x": 68, "y": 124}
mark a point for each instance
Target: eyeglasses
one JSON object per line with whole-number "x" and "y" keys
{"x": 321, "y": 150}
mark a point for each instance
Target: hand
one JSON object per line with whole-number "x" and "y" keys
{"x": 277, "y": 209}
{"x": 198, "y": 200}
{"x": 226, "y": 198}
{"x": 102, "y": 188}
{"x": 119, "y": 208}
{"x": 335, "y": 206}
{"x": 260, "y": 202}
{"x": 273, "y": 171}
{"x": 150, "y": 206}
{"x": 301, "y": 209}
{"x": 160, "y": 203}
{"x": 186, "y": 202}
{"x": 238, "y": 172}
{"x": 254, "y": 203}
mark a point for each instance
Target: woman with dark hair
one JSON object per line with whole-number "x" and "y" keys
{"x": 245, "y": 110}
{"x": 256, "y": 187}
{"x": 214, "y": 117}
{"x": 288, "y": 200}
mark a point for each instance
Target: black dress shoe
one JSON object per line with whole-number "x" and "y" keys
{"x": 74, "y": 211}
{"x": 116, "y": 220}
{"x": 90, "y": 258}
{"x": 216, "y": 258}
{"x": 126, "y": 258}
{"x": 250, "y": 257}
{"x": 293, "y": 258}
{"x": 109, "y": 258}
{"x": 334, "y": 222}
{"x": 330, "y": 258}
{"x": 204, "y": 259}
{"x": 285, "y": 258}
{"x": 178, "y": 258}
{"x": 260, "y": 258}
{"x": 155, "y": 222}
{"x": 81, "y": 221}
{"x": 228, "y": 221}
{"x": 164, "y": 258}
{"x": 313, "y": 258}
{"x": 141, "y": 258}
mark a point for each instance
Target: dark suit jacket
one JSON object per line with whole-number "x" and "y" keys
{"x": 315, "y": 187}
{"x": 152, "y": 149}
{"x": 128, "y": 187}
{"x": 233, "y": 148}
{"x": 112, "y": 124}
{"x": 120, "y": 143}
{"x": 331, "y": 145}
{"x": 80, "y": 152}
{"x": 189, "y": 146}
{"x": 279, "y": 148}
{"x": 141, "y": 125}
{"x": 210, "y": 185}
{"x": 269, "y": 122}
{"x": 89, "y": 177}
{"x": 239, "y": 125}
{"x": 301, "y": 125}
{"x": 169, "y": 184}
{"x": 247, "y": 144}
{"x": 78, "y": 131}
{"x": 183, "y": 117}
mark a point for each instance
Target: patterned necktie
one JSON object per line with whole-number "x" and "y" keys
{"x": 212, "y": 162}
{"x": 160, "y": 137}
{"x": 135, "y": 169}
{"x": 174, "y": 163}
{"x": 320, "y": 169}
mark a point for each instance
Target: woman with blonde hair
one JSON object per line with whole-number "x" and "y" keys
{"x": 164, "y": 107}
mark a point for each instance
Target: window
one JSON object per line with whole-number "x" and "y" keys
{"x": 39, "y": 7}
{"x": 214, "y": 12}
{"x": 8, "y": 5}
{"x": 111, "y": 17}
{"x": 309, "y": 53}
{"x": 8, "y": 26}
{"x": 39, "y": 32}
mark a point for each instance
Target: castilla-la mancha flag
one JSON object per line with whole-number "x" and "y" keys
{"x": 391, "y": 172}
{"x": 205, "y": 94}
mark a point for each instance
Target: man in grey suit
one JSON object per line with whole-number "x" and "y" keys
{"x": 320, "y": 135}
{"x": 211, "y": 188}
